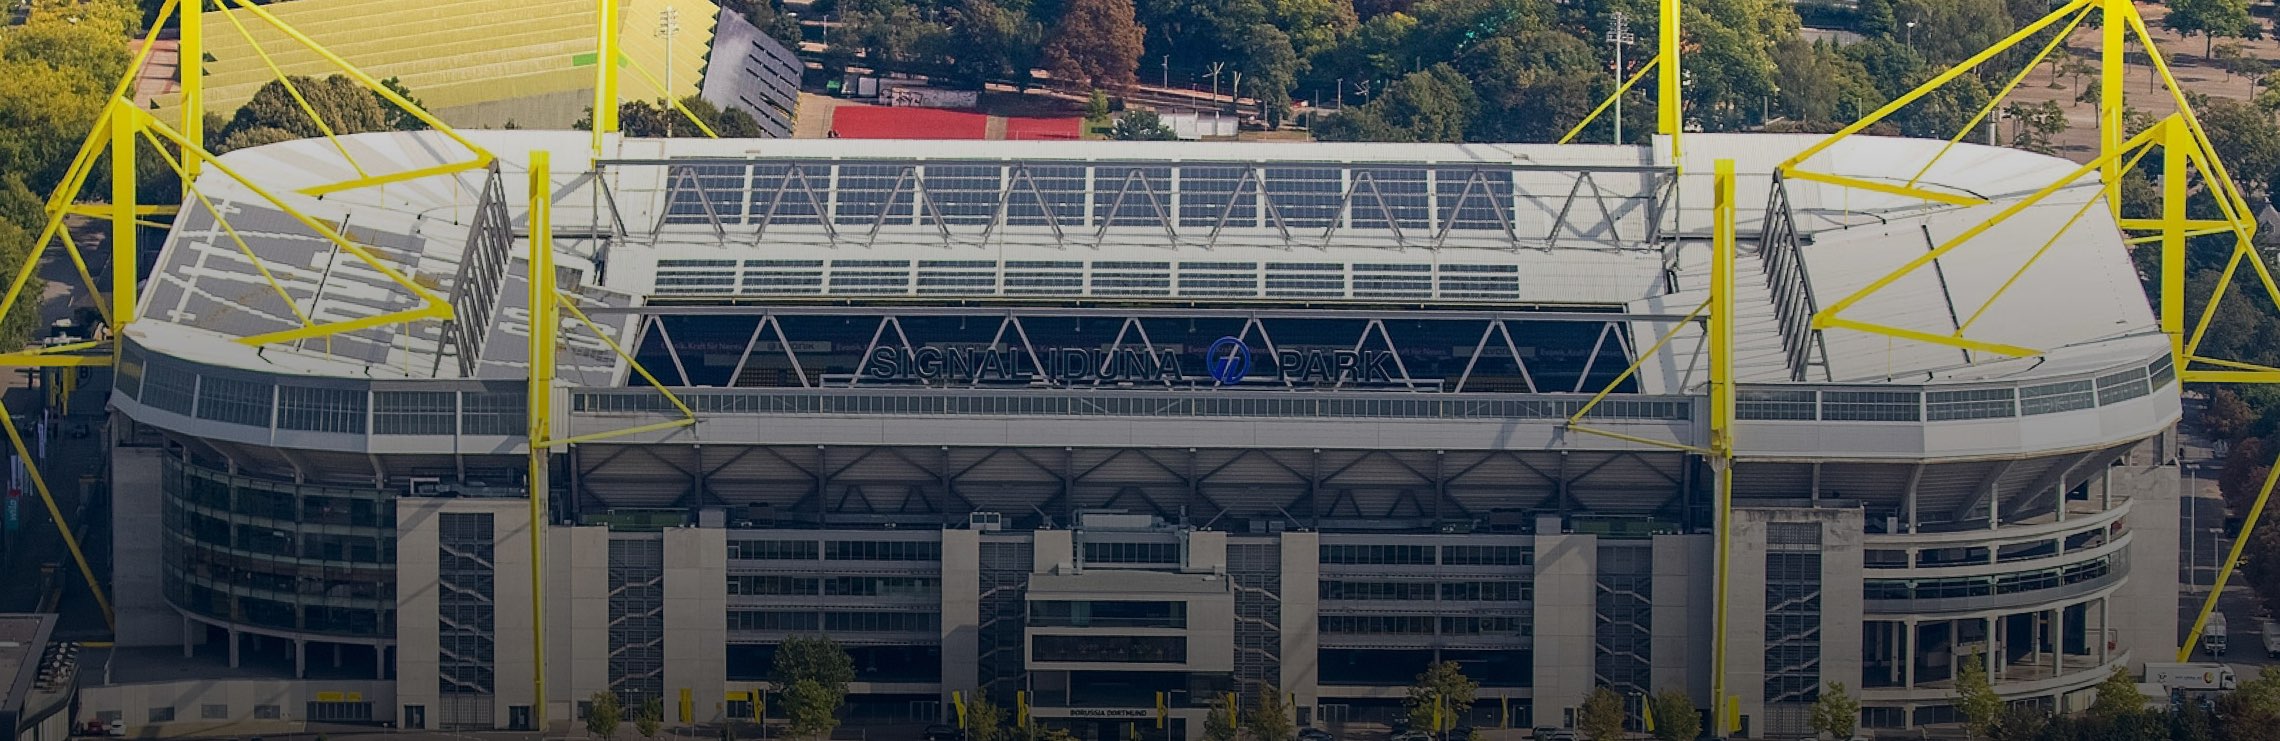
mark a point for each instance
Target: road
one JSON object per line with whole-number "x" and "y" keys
{"x": 36, "y": 545}
{"x": 2201, "y": 517}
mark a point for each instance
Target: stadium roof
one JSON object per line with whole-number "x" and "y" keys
{"x": 1576, "y": 224}
{"x": 449, "y": 53}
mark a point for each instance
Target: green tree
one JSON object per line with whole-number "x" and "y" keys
{"x": 1982, "y": 708}
{"x": 1097, "y": 107}
{"x": 1270, "y": 68}
{"x": 1675, "y": 716}
{"x": 1435, "y": 105}
{"x": 651, "y": 715}
{"x": 994, "y": 42}
{"x": 770, "y": 17}
{"x": 347, "y": 107}
{"x": 1141, "y": 125}
{"x": 1601, "y": 718}
{"x": 2035, "y": 126}
{"x": 22, "y": 320}
{"x": 602, "y": 715}
{"x": 812, "y": 673}
{"x": 2118, "y": 697}
{"x": 2211, "y": 19}
{"x": 2226, "y": 417}
{"x": 2245, "y": 136}
{"x": 1441, "y": 694}
{"x": 655, "y": 119}
{"x": 1097, "y": 44}
{"x": 985, "y": 721}
{"x": 1835, "y": 712}
{"x": 1816, "y": 82}
{"x": 1270, "y": 719}
{"x": 1219, "y": 724}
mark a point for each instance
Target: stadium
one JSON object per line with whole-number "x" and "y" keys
{"x": 1102, "y": 427}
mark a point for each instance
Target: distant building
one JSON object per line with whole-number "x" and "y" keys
{"x": 482, "y": 65}
{"x": 38, "y": 678}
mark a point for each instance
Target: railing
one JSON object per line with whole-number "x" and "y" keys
{"x": 1787, "y": 284}
{"x": 1042, "y": 402}
{"x": 1941, "y": 403}
{"x": 1996, "y": 591}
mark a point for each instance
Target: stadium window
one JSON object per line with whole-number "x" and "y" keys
{"x": 1377, "y": 554}
{"x": 1488, "y": 555}
{"x": 882, "y": 550}
{"x": 1140, "y": 553}
{"x": 772, "y": 550}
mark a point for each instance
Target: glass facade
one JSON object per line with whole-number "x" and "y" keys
{"x": 299, "y": 557}
{"x": 867, "y": 349}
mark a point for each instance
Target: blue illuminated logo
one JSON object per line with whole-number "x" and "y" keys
{"x": 1229, "y": 360}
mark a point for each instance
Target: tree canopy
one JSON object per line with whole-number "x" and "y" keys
{"x": 1097, "y": 44}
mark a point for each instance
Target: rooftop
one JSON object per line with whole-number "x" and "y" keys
{"x": 1577, "y": 225}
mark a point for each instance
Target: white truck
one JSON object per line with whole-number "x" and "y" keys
{"x": 2192, "y": 677}
{"x": 2213, "y": 635}
{"x": 2271, "y": 632}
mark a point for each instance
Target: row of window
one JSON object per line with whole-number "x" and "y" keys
{"x": 1982, "y": 586}
{"x": 1423, "y": 625}
{"x": 834, "y": 550}
{"x": 837, "y": 586}
{"x": 1425, "y": 555}
{"x": 1415, "y": 591}
{"x": 834, "y": 622}
{"x": 1856, "y": 405}
{"x": 1132, "y": 553}
{"x": 185, "y": 390}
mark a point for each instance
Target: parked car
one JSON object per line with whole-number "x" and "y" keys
{"x": 1413, "y": 736}
{"x": 1315, "y": 734}
{"x": 940, "y": 732}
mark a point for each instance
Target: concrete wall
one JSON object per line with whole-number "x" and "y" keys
{"x": 1841, "y": 595}
{"x": 577, "y": 596}
{"x": 1567, "y": 594}
{"x": 138, "y": 555}
{"x": 1052, "y": 550}
{"x": 2145, "y": 608}
{"x": 417, "y": 633}
{"x": 1745, "y": 613}
{"x": 188, "y": 698}
{"x": 696, "y": 622}
{"x": 961, "y": 612}
{"x": 1682, "y": 611}
{"x": 1301, "y": 631}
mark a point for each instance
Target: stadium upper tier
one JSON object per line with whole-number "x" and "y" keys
{"x": 1492, "y": 229}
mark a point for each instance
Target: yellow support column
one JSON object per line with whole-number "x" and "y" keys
{"x": 2176, "y": 141}
{"x": 124, "y": 125}
{"x": 1721, "y": 331}
{"x": 2113, "y": 70}
{"x": 1670, "y": 108}
{"x": 544, "y": 321}
{"x": 192, "y": 65}
{"x": 605, "y": 72}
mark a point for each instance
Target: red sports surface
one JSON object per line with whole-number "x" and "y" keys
{"x": 1044, "y": 128}
{"x": 880, "y": 122}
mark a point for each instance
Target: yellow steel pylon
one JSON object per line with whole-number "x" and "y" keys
{"x": 2185, "y": 149}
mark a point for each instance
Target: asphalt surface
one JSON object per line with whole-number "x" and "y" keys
{"x": 36, "y": 570}
{"x": 2202, "y": 536}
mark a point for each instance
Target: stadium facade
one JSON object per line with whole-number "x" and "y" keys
{"x": 1100, "y": 422}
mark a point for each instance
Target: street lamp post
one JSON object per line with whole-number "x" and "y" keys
{"x": 1619, "y": 34}
{"x": 668, "y": 26}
